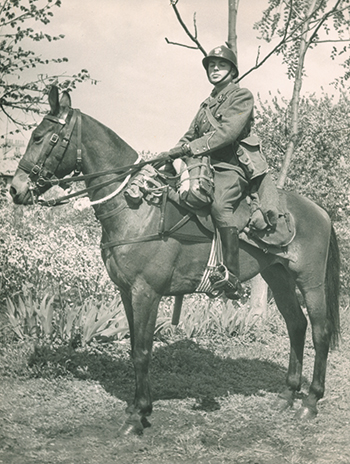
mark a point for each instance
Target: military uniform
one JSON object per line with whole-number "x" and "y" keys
{"x": 221, "y": 130}
{"x": 223, "y": 121}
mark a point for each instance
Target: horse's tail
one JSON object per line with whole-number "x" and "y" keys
{"x": 333, "y": 288}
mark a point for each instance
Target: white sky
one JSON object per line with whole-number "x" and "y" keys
{"x": 149, "y": 91}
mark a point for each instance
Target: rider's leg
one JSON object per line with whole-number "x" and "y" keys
{"x": 229, "y": 189}
{"x": 230, "y": 249}
{"x": 226, "y": 276}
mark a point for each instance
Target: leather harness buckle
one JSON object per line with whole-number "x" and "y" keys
{"x": 54, "y": 139}
{"x": 35, "y": 170}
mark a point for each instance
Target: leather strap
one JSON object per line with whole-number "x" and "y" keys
{"x": 168, "y": 233}
{"x": 211, "y": 117}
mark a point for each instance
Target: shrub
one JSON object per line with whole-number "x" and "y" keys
{"x": 52, "y": 251}
{"x": 320, "y": 167}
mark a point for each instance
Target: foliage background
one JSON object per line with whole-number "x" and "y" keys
{"x": 320, "y": 167}
{"x": 59, "y": 393}
{"x": 56, "y": 250}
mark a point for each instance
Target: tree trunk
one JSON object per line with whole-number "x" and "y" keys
{"x": 232, "y": 25}
{"x": 298, "y": 80}
{"x": 258, "y": 297}
{"x": 258, "y": 287}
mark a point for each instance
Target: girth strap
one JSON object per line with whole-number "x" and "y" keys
{"x": 159, "y": 236}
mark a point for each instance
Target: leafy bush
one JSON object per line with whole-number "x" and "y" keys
{"x": 52, "y": 251}
{"x": 320, "y": 167}
{"x": 342, "y": 230}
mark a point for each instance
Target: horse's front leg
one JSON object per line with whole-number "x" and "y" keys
{"x": 142, "y": 310}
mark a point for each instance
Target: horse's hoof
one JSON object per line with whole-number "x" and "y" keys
{"x": 132, "y": 427}
{"x": 145, "y": 423}
{"x": 128, "y": 430}
{"x": 282, "y": 404}
{"x": 305, "y": 414}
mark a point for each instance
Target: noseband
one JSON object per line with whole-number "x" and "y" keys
{"x": 38, "y": 173}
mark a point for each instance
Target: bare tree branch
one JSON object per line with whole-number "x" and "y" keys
{"x": 180, "y": 45}
{"x": 190, "y": 35}
{"x": 331, "y": 41}
{"x": 7, "y": 114}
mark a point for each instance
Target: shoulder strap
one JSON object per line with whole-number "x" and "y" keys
{"x": 210, "y": 117}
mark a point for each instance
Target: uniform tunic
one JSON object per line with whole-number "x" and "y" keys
{"x": 232, "y": 109}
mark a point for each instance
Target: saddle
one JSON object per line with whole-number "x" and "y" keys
{"x": 179, "y": 220}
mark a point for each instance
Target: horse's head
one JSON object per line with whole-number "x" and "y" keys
{"x": 51, "y": 151}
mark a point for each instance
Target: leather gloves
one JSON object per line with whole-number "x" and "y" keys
{"x": 177, "y": 152}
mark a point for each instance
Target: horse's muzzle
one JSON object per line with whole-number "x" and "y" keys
{"x": 20, "y": 190}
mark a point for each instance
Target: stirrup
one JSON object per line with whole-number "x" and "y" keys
{"x": 219, "y": 277}
{"x": 222, "y": 279}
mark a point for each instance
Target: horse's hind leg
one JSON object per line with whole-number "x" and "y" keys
{"x": 316, "y": 305}
{"x": 283, "y": 288}
{"x": 141, "y": 311}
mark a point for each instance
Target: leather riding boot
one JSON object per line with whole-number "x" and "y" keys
{"x": 230, "y": 248}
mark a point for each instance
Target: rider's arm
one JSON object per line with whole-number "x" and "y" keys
{"x": 236, "y": 115}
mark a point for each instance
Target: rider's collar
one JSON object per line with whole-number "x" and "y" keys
{"x": 219, "y": 97}
{"x": 226, "y": 89}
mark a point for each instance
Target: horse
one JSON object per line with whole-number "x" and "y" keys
{"x": 146, "y": 265}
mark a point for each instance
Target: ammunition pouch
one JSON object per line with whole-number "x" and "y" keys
{"x": 250, "y": 157}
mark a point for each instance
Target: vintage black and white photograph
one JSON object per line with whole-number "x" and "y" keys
{"x": 174, "y": 240}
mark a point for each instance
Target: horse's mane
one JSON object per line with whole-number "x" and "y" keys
{"x": 101, "y": 131}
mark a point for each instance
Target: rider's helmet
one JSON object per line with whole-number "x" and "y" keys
{"x": 222, "y": 52}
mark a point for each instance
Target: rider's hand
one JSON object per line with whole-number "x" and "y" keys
{"x": 177, "y": 152}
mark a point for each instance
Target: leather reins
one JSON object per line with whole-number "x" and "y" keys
{"x": 41, "y": 176}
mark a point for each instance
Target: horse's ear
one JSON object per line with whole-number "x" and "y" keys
{"x": 53, "y": 100}
{"x": 65, "y": 99}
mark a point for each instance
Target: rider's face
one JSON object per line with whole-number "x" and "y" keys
{"x": 218, "y": 69}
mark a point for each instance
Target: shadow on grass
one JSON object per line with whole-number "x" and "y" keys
{"x": 181, "y": 370}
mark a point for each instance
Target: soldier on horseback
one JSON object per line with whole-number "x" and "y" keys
{"x": 223, "y": 121}
{"x": 147, "y": 265}
{"x": 221, "y": 131}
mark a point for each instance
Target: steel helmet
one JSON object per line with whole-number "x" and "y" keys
{"x": 224, "y": 53}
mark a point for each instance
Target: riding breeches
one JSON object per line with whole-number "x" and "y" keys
{"x": 230, "y": 186}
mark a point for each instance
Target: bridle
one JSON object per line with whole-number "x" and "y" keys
{"x": 40, "y": 176}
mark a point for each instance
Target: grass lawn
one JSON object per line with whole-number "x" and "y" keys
{"x": 213, "y": 402}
